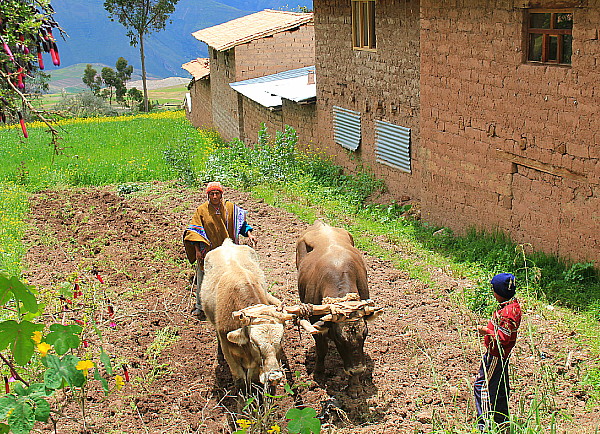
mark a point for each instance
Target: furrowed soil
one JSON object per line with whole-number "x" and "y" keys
{"x": 422, "y": 352}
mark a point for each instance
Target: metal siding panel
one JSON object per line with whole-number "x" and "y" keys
{"x": 392, "y": 145}
{"x": 346, "y": 127}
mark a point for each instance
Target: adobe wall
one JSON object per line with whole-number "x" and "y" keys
{"x": 283, "y": 51}
{"x": 254, "y": 115}
{"x": 510, "y": 145}
{"x": 225, "y": 104}
{"x": 381, "y": 84}
{"x": 303, "y": 118}
{"x": 201, "y": 114}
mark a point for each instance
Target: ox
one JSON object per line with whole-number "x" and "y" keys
{"x": 232, "y": 282}
{"x": 331, "y": 268}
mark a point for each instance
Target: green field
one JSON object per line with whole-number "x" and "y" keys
{"x": 97, "y": 151}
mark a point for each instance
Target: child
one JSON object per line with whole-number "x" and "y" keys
{"x": 492, "y": 389}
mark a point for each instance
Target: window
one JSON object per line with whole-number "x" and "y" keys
{"x": 550, "y": 36}
{"x": 392, "y": 145}
{"x": 363, "y": 24}
{"x": 346, "y": 128}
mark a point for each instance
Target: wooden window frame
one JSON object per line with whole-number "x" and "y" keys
{"x": 546, "y": 35}
{"x": 363, "y": 25}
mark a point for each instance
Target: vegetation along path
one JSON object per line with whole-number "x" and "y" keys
{"x": 422, "y": 351}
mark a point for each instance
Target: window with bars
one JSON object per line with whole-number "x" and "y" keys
{"x": 363, "y": 24}
{"x": 550, "y": 37}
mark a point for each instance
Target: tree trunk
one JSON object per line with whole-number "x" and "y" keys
{"x": 143, "y": 59}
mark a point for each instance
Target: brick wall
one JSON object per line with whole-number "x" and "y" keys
{"x": 224, "y": 98}
{"x": 283, "y": 51}
{"x": 497, "y": 143}
{"x": 381, "y": 84}
{"x": 303, "y": 118}
{"x": 511, "y": 145}
{"x": 201, "y": 114}
{"x": 254, "y": 115}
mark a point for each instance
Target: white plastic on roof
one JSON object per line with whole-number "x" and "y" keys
{"x": 269, "y": 90}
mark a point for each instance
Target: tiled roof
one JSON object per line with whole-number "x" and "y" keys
{"x": 199, "y": 68}
{"x": 254, "y": 26}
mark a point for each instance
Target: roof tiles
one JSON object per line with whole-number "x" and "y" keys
{"x": 254, "y": 26}
{"x": 199, "y": 68}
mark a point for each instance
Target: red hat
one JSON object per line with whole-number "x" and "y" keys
{"x": 212, "y": 186}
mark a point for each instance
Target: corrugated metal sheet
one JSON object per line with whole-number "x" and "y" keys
{"x": 269, "y": 89}
{"x": 392, "y": 145}
{"x": 346, "y": 128}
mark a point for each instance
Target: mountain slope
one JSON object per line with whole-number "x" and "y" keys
{"x": 93, "y": 38}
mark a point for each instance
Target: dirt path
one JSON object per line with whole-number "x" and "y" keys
{"x": 422, "y": 351}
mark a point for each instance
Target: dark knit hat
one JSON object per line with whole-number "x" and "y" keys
{"x": 504, "y": 285}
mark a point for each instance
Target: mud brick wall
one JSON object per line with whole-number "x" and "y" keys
{"x": 283, "y": 51}
{"x": 381, "y": 84}
{"x": 201, "y": 114}
{"x": 303, "y": 118}
{"x": 509, "y": 144}
{"x": 225, "y": 105}
{"x": 254, "y": 115}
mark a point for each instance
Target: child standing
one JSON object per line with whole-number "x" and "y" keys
{"x": 492, "y": 388}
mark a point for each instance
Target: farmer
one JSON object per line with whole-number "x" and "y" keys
{"x": 492, "y": 389}
{"x": 213, "y": 222}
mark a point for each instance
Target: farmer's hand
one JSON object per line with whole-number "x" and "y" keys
{"x": 252, "y": 241}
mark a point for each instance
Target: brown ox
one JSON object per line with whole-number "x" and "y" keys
{"x": 330, "y": 266}
{"x": 233, "y": 281}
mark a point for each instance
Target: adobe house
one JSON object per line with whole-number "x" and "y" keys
{"x": 256, "y": 45}
{"x": 198, "y": 107}
{"x": 487, "y": 112}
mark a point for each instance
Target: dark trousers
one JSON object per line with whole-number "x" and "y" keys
{"x": 492, "y": 391}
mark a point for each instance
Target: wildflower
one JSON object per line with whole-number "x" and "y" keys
{"x": 119, "y": 382}
{"x": 43, "y": 348}
{"x": 244, "y": 423}
{"x": 85, "y": 366}
{"x": 112, "y": 324}
{"x": 37, "y": 337}
{"x": 275, "y": 429}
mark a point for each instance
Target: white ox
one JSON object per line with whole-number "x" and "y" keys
{"x": 233, "y": 281}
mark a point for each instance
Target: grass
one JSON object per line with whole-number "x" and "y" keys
{"x": 97, "y": 151}
{"x": 162, "y": 146}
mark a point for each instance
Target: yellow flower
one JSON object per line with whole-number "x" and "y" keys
{"x": 43, "y": 348}
{"x": 37, "y": 337}
{"x": 244, "y": 423}
{"x": 275, "y": 429}
{"x": 85, "y": 366}
{"x": 119, "y": 382}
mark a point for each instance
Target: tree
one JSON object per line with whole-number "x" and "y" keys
{"x": 123, "y": 75}
{"x": 92, "y": 79}
{"x": 26, "y": 28}
{"x": 134, "y": 96}
{"x": 110, "y": 81}
{"x": 141, "y": 17}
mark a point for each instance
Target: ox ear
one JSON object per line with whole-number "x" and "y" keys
{"x": 238, "y": 337}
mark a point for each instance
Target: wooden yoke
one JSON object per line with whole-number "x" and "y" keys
{"x": 349, "y": 308}
{"x": 261, "y": 313}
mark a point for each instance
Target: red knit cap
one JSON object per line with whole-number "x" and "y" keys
{"x": 214, "y": 186}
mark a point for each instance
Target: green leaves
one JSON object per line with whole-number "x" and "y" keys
{"x": 64, "y": 337}
{"x": 19, "y": 291}
{"x": 23, "y": 408}
{"x": 62, "y": 371}
{"x": 303, "y": 421}
{"x": 18, "y": 337}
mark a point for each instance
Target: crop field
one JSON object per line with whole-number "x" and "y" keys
{"x": 96, "y": 231}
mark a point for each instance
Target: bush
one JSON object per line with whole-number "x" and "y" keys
{"x": 84, "y": 105}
